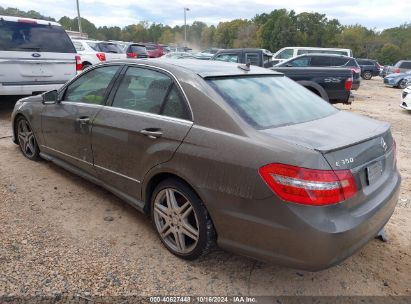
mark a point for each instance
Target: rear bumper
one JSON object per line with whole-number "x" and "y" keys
{"x": 28, "y": 89}
{"x": 303, "y": 237}
{"x": 406, "y": 104}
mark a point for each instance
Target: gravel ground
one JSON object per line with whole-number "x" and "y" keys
{"x": 61, "y": 235}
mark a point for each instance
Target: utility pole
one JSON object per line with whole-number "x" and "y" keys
{"x": 185, "y": 25}
{"x": 78, "y": 19}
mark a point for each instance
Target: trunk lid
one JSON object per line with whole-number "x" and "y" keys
{"x": 346, "y": 140}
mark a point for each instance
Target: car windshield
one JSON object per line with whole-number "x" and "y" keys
{"x": 33, "y": 37}
{"x": 270, "y": 101}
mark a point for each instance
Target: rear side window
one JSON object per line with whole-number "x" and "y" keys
{"x": 78, "y": 46}
{"x": 352, "y": 63}
{"x": 406, "y": 65}
{"x": 339, "y": 61}
{"x": 299, "y": 62}
{"x": 33, "y": 37}
{"x": 270, "y": 101}
{"x": 321, "y": 61}
{"x": 149, "y": 91}
{"x": 252, "y": 58}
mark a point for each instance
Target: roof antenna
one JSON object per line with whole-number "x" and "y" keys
{"x": 245, "y": 67}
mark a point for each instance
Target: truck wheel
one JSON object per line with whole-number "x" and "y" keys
{"x": 367, "y": 75}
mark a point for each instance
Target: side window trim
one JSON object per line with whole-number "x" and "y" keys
{"x": 62, "y": 90}
{"x": 116, "y": 85}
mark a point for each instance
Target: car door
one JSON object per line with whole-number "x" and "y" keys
{"x": 146, "y": 122}
{"x": 66, "y": 125}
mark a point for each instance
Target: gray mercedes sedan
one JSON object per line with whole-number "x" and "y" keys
{"x": 221, "y": 153}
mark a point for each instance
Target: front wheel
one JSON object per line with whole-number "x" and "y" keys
{"x": 402, "y": 84}
{"x": 181, "y": 220}
{"x": 367, "y": 75}
{"x": 26, "y": 139}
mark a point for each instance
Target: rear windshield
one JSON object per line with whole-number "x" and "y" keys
{"x": 109, "y": 48}
{"x": 270, "y": 101}
{"x": 32, "y": 37}
{"x": 137, "y": 49}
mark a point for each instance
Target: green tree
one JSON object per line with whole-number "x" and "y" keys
{"x": 389, "y": 54}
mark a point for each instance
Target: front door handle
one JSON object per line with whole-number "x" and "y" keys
{"x": 84, "y": 120}
{"x": 152, "y": 133}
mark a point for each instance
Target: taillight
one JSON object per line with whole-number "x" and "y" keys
{"x": 132, "y": 55}
{"x": 348, "y": 84}
{"x": 378, "y": 66}
{"x": 79, "y": 65}
{"x": 101, "y": 56}
{"x": 397, "y": 70}
{"x": 309, "y": 186}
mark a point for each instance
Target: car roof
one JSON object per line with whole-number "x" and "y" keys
{"x": 325, "y": 55}
{"x": 203, "y": 68}
{"x": 244, "y": 50}
{"x": 19, "y": 19}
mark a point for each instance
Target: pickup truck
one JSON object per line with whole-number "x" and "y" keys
{"x": 332, "y": 84}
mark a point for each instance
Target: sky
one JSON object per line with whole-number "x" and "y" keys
{"x": 377, "y": 14}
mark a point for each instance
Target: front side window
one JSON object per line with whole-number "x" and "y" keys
{"x": 227, "y": 57}
{"x": 33, "y": 37}
{"x": 288, "y": 53}
{"x": 149, "y": 91}
{"x": 270, "y": 101}
{"x": 91, "y": 86}
{"x": 406, "y": 65}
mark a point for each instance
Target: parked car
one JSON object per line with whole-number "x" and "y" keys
{"x": 369, "y": 68}
{"x": 406, "y": 98}
{"x": 135, "y": 50}
{"x": 398, "y": 80}
{"x": 400, "y": 67}
{"x": 36, "y": 56}
{"x": 178, "y": 55}
{"x": 154, "y": 50}
{"x": 326, "y": 60}
{"x": 291, "y": 52}
{"x": 92, "y": 51}
{"x": 257, "y": 57}
{"x": 307, "y": 187}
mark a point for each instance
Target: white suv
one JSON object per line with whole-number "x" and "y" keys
{"x": 35, "y": 56}
{"x": 93, "y": 52}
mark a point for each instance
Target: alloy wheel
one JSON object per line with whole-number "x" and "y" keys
{"x": 26, "y": 138}
{"x": 176, "y": 221}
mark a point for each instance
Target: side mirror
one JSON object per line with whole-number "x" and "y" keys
{"x": 50, "y": 97}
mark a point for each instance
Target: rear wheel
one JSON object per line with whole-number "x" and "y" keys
{"x": 181, "y": 220}
{"x": 402, "y": 84}
{"x": 86, "y": 65}
{"x": 27, "y": 140}
{"x": 367, "y": 75}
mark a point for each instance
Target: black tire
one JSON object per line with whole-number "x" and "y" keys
{"x": 205, "y": 228}
{"x": 402, "y": 84}
{"x": 27, "y": 139}
{"x": 85, "y": 65}
{"x": 367, "y": 75}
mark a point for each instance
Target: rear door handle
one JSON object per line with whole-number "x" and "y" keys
{"x": 152, "y": 133}
{"x": 84, "y": 120}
